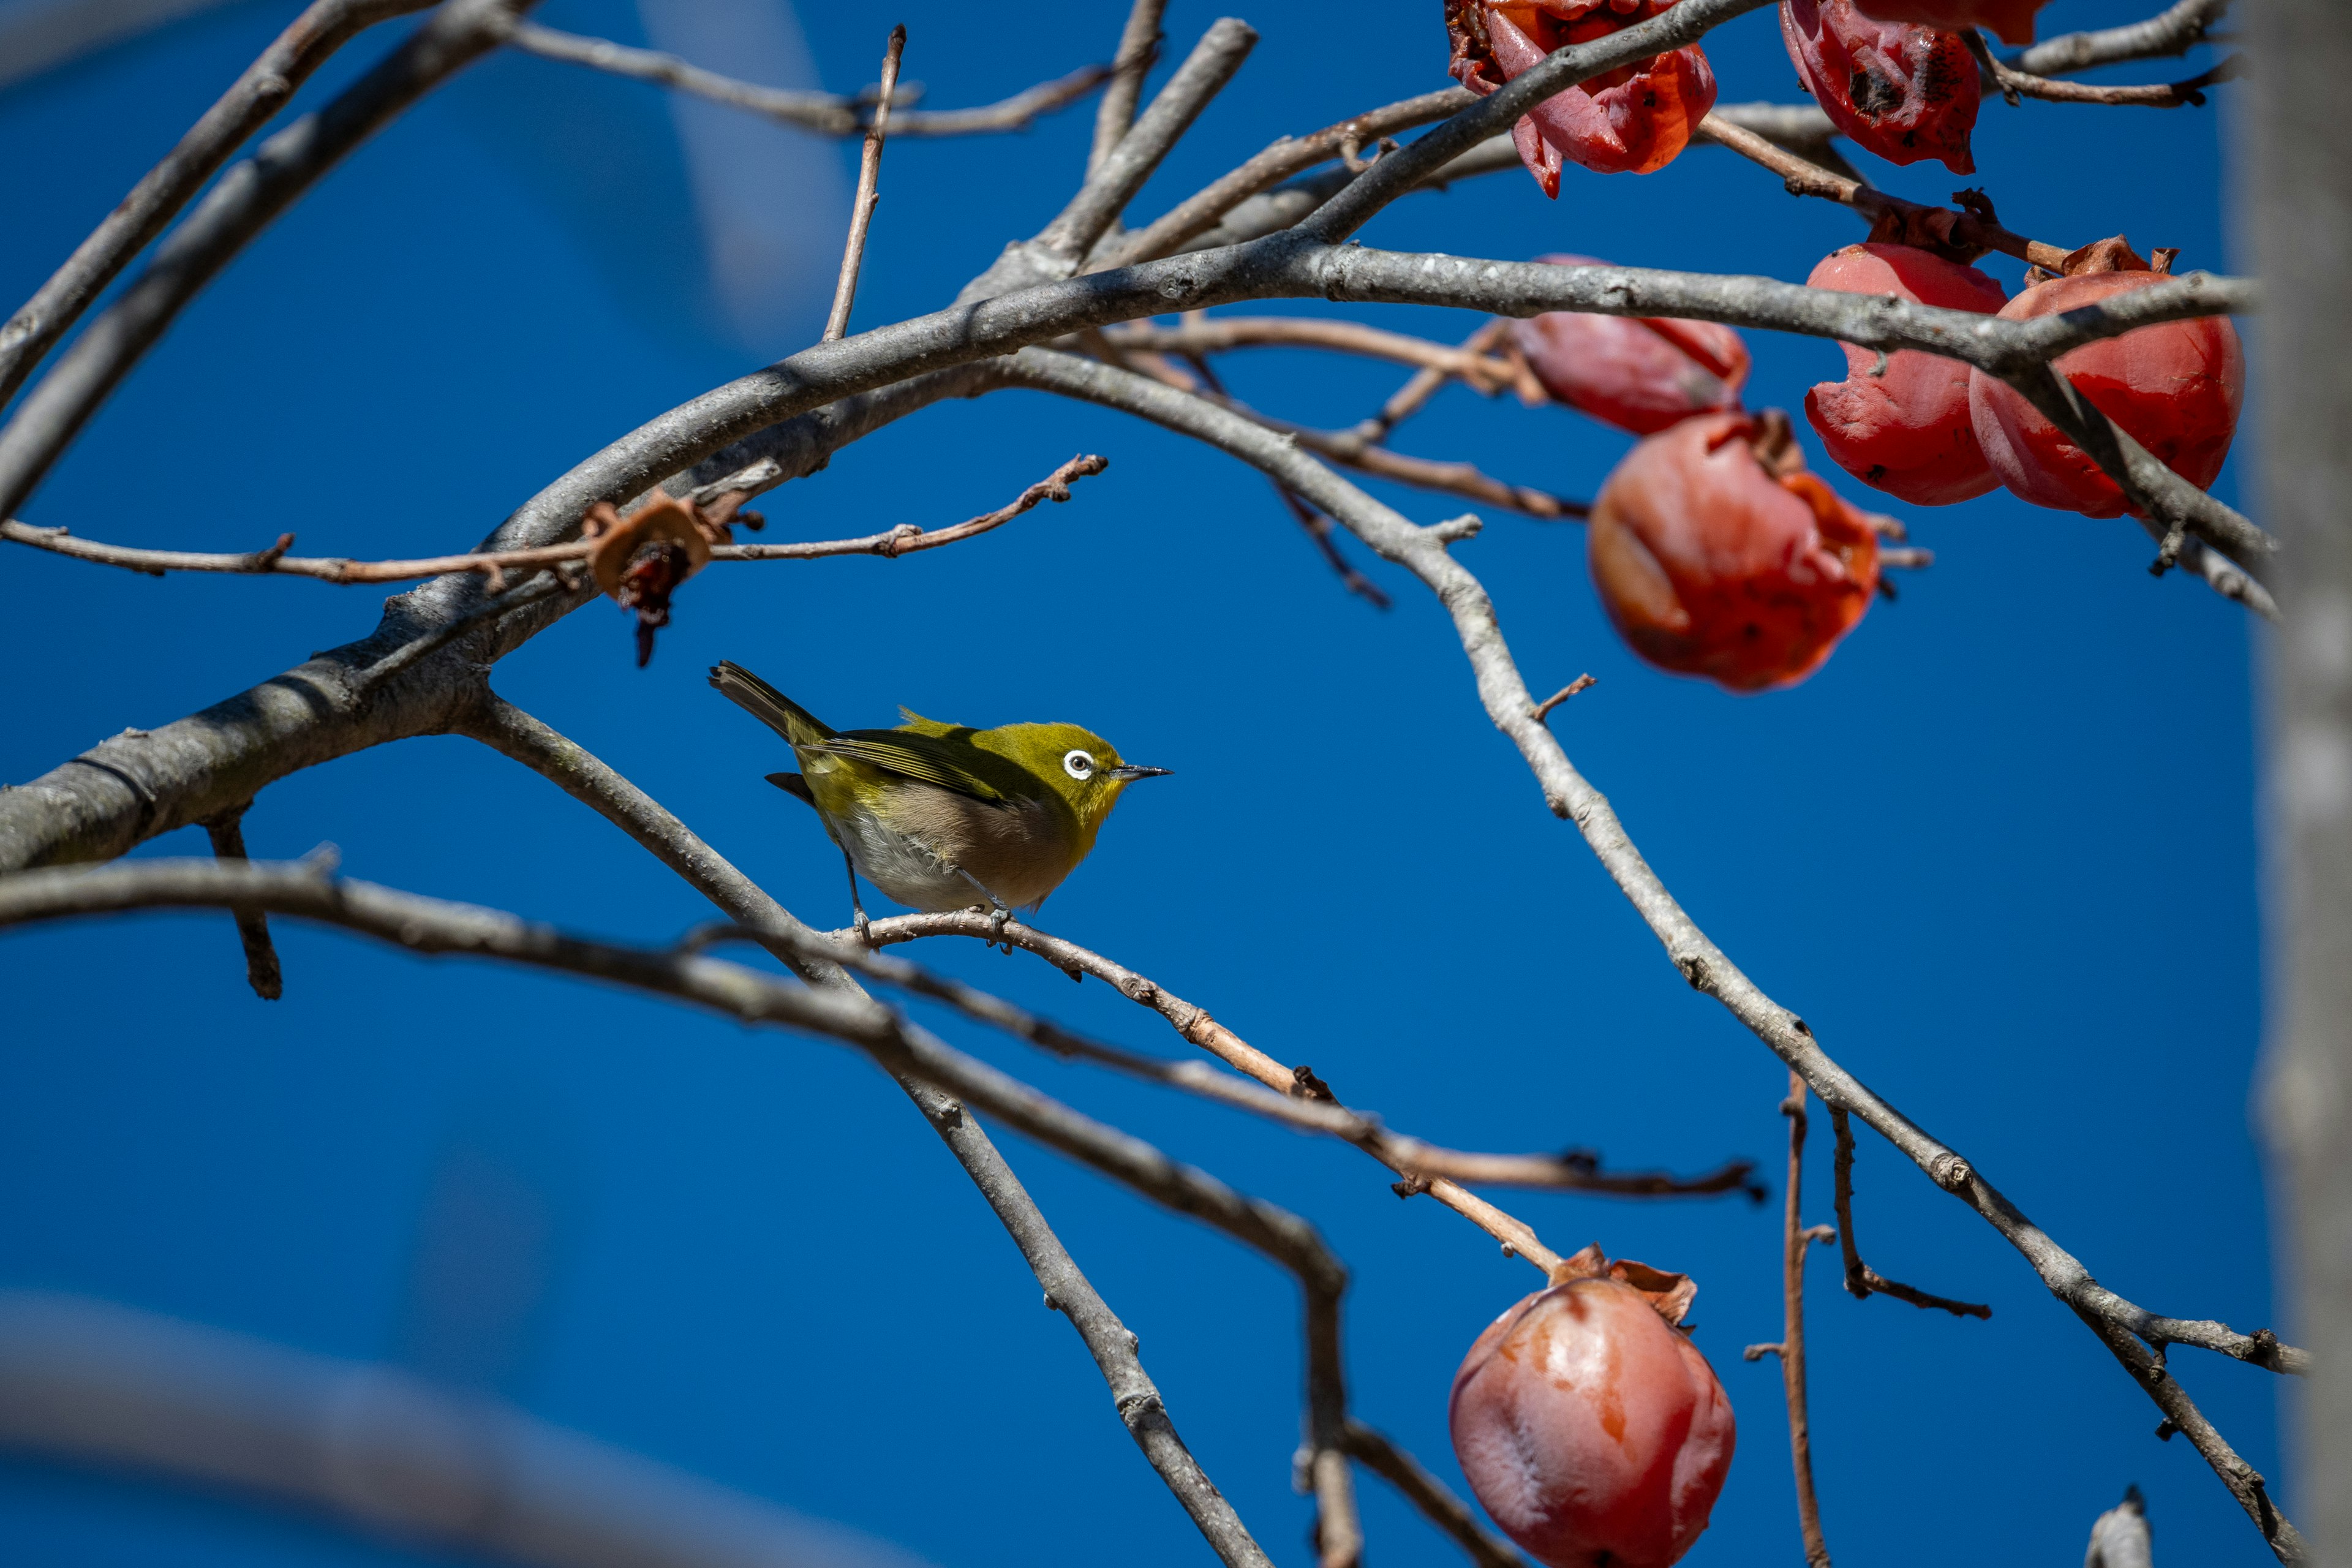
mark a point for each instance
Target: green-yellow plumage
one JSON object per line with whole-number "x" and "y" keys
{"x": 943, "y": 816}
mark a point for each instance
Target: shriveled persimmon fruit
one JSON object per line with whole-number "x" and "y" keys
{"x": 1633, "y": 120}
{"x": 1587, "y": 1423}
{"x": 1718, "y": 555}
{"x": 1900, "y": 91}
{"x": 1902, "y": 423}
{"x": 1636, "y": 373}
{"x": 2175, "y": 388}
{"x": 2011, "y": 21}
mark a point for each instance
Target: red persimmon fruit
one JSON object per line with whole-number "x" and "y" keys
{"x": 1591, "y": 1427}
{"x": 2010, "y": 20}
{"x": 1902, "y": 91}
{"x": 2175, "y": 388}
{"x": 1716, "y": 553}
{"x": 1635, "y": 373}
{"x": 1902, "y": 423}
{"x": 1633, "y": 120}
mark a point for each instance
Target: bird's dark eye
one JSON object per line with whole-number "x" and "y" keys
{"x": 1078, "y": 765}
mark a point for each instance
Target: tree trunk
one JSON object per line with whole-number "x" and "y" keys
{"x": 2297, "y": 176}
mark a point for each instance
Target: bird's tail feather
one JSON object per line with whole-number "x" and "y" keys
{"x": 768, "y": 705}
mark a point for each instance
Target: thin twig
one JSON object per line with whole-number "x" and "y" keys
{"x": 1404, "y": 1155}
{"x": 1427, "y": 382}
{"x": 1427, "y": 1493}
{"x": 1796, "y": 1240}
{"x": 906, "y": 538}
{"x": 870, "y": 191}
{"x": 1295, "y": 1097}
{"x": 1220, "y": 335}
{"x": 1543, "y": 709}
{"x": 826, "y": 113}
{"x": 2013, "y": 84}
{"x": 261, "y": 970}
{"x": 1319, "y": 529}
{"x": 1138, "y": 47}
{"x": 1862, "y": 1281}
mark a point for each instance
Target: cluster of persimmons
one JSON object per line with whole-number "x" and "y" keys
{"x": 1715, "y": 551}
{"x": 1587, "y": 1423}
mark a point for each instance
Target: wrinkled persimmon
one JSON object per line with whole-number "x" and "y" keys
{"x": 1635, "y": 373}
{"x": 1900, "y": 422}
{"x": 1633, "y": 120}
{"x": 1716, "y": 554}
{"x": 2011, "y": 21}
{"x": 1589, "y": 1425}
{"x": 1903, "y": 92}
{"x": 2175, "y": 387}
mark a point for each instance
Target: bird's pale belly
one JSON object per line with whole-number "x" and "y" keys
{"x": 950, "y": 853}
{"x": 908, "y": 871}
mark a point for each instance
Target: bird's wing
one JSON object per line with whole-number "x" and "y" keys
{"x": 914, "y": 756}
{"x": 768, "y": 705}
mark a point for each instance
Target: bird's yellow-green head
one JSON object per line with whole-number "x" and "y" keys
{"x": 1084, "y": 771}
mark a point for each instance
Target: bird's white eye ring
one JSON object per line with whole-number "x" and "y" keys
{"x": 1078, "y": 765}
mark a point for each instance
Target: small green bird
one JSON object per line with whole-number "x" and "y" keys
{"x": 943, "y": 816}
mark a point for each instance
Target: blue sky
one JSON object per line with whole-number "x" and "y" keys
{"x": 2000, "y": 853}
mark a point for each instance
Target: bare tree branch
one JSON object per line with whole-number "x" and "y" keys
{"x": 1796, "y": 1240}
{"x": 242, "y": 203}
{"x": 1138, "y": 47}
{"x": 1424, "y": 552}
{"x": 869, "y": 192}
{"x": 2175, "y": 31}
{"x": 261, "y": 970}
{"x": 826, "y": 113}
{"x": 265, "y": 88}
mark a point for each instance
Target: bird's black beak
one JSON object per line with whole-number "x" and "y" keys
{"x": 1127, "y": 770}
